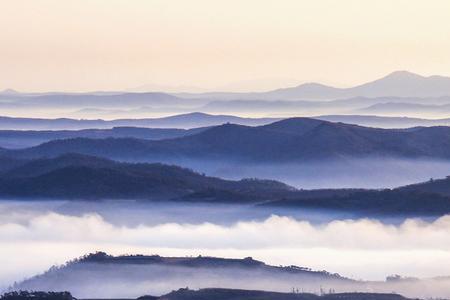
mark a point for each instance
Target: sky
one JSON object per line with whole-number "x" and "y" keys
{"x": 178, "y": 45}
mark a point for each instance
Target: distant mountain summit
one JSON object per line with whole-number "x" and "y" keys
{"x": 9, "y": 92}
{"x": 395, "y": 84}
{"x": 405, "y": 84}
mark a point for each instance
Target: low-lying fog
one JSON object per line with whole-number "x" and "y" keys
{"x": 36, "y": 235}
{"x": 344, "y": 173}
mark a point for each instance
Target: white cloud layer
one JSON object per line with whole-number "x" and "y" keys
{"x": 33, "y": 240}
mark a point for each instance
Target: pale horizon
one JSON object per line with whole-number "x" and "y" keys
{"x": 243, "y": 86}
{"x": 79, "y": 46}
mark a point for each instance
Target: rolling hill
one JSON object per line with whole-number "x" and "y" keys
{"x": 14, "y": 139}
{"x": 28, "y": 138}
{"x": 80, "y": 177}
{"x": 74, "y": 176}
{"x": 236, "y": 294}
{"x": 213, "y": 293}
{"x": 396, "y": 202}
{"x": 384, "y": 122}
{"x": 436, "y": 186}
{"x": 399, "y": 108}
{"x": 186, "y": 121}
{"x": 342, "y": 106}
{"x": 106, "y": 100}
{"x": 103, "y": 276}
{"x": 290, "y": 140}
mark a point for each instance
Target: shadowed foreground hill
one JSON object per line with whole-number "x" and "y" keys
{"x": 36, "y": 295}
{"x": 234, "y": 294}
{"x": 81, "y": 177}
{"x": 75, "y": 176}
{"x": 438, "y": 186}
{"x": 401, "y": 202}
{"x": 214, "y": 293}
{"x": 101, "y": 275}
{"x": 290, "y": 140}
{"x": 425, "y": 198}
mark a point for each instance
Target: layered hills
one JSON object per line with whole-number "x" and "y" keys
{"x": 81, "y": 177}
{"x": 398, "y": 83}
{"x": 74, "y": 176}
{"x": 289, "y": 140}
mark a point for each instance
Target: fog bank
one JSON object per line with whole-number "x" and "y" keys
{"x": 32, "y": 238}
{"x": 344, "y": 173}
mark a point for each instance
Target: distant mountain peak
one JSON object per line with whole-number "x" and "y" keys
{"x": 313, "y": 85}
{"x": 9, "y": 91}
{"x": 402, "y": 74}
{"x": 195, "y": 113}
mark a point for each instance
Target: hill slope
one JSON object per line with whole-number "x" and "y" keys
{"x": 438, "y": 186}
{"x": 190, "y": 120}
{"x": 290, "y": 140}
{"x": 235, "y": 294}
{"x": 397, "y": 202}
{"x": 79, "y": 177}
{"x": 100, "y": 275}
{"x": 74, "y": 176}
{"x": 22, "y": 138}
{"x": 107, "y": 100}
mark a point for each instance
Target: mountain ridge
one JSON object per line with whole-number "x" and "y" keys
{"x": 397, "y": 83}
{"x": 183, "y": 121}
{"x": 158, "y": 275}
{"x": 75, "y": 176}
{"x": 275, "y": 142}
{"x": 87, "y": 178}
{"x": 13, "y": 139}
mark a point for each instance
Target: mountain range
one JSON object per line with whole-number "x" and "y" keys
{"x": 289, "y": 140}
{"x": 427, "y": 199}
{"x": 399, "y": 108}
{"x": 28, "y": 138}
{"x": 107, "y": 100}
{"x": 16, "y": 133}
{"x": 396, "y": 84}
{"x": 345, "y": 106}
{"x": 384, "y": 122}
{"x": 185, "y": 121}
{"x": 79, "y": 177}
{"x": 309, "y": 99}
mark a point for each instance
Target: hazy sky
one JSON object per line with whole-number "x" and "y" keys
{"x": 117, "y": 44}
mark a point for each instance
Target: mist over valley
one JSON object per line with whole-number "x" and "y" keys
{"x": 196, "y": 184}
